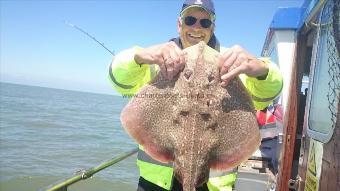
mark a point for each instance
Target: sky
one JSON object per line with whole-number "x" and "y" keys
{"x": 38, "y": 48}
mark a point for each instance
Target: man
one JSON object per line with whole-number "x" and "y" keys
{"x": 135, "y": 67}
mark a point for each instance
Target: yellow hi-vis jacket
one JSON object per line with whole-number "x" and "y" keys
{"x": 127, "y": 77}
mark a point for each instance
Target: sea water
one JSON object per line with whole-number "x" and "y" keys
{"x": 50, "y": 134}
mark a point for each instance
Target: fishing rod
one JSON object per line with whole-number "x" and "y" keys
{"x": 87, "y": 34}
{"x": 62, "y": 185}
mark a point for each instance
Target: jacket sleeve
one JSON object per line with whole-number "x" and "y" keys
{"x": 126, "y": 76}
{"x": 263, "y": 92}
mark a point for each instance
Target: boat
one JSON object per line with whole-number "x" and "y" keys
{"x": 305, "y": 44}
{"x": 302, "y": 128}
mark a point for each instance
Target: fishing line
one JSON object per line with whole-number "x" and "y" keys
{"x": 87, "y": 34}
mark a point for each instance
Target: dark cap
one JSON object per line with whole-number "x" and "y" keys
{"x": 207, "y": 5}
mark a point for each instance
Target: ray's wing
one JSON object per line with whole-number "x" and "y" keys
{"x": 238, "y": 133}
{"x": 236, "y": 144}
{"x": 146, "y": 119}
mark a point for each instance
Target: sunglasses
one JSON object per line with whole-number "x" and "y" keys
{"x": 190, "y": 20}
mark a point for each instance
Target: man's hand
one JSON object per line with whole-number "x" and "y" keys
{"x": 236, "y": 61}
{"x": 168, "y": 56}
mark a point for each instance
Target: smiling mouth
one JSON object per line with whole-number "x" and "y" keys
{"x": 195, "y": 36}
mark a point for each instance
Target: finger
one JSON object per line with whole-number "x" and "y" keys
{"x": 163, "y": 70}
{"x": 241, "y": 59}
{"x": 184, "y": 59}
{"x": 169, "y": 64}
{"x": 180, "y": 62}
{"x": 222, "y": 59}
{"x": 228, "y": 62}
{"x": 231, "y": 75}
{"x": 165, "y": 58}
{"x": 174, "y": 61}
{"x": 168, "y": 61}
{"x": 174, "y": 54}
{"x": 239, "y": 49}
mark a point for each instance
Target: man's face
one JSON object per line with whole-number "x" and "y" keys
{"x": 191, "y": 35}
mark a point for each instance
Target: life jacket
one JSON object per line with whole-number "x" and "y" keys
{"x": 268, "y": 120}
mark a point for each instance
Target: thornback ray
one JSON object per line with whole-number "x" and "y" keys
{"x": 193, "y": 121}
